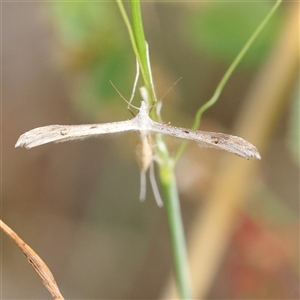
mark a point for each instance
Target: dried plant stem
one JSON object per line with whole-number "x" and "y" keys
{"x": 39, "y": 266}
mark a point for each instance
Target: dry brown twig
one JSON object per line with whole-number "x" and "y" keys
{"x": 37, "y": 263}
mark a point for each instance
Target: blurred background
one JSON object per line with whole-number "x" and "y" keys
{"x": 76, "y": 204}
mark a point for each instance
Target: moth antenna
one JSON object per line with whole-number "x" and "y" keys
{"x": 133, "y": 89}
{"x": 129, "y": 104}
{"x": 143, "y": 186}
{"x": 159, "y": 103}
{"x": 155, "y": 189}
{"x": 170, "y": 88}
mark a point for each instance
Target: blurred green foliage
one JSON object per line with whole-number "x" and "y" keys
{"x": 94, "y": 46}
{"x": 220, "y": 30}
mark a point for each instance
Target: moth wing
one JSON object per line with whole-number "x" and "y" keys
{"x": 62, "y": 133}
{"x": 207, "y": 139}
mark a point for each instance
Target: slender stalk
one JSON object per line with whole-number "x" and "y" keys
{"x": 138, "y": 41}
{"x": 138, "y": 31}
{"x": 227, "y": 75}
{"x": 166, "y": 166}
{"x": 172, "y": 204}
{"x": 130, "y": 32}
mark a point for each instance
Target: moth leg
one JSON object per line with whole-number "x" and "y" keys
{"x": 154, "y": 186}
{"x": 143, "y": 186}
